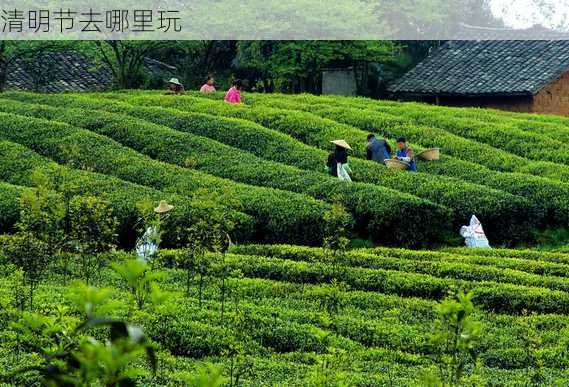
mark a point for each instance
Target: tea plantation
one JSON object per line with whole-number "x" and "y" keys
{"x": 271, "y": 272}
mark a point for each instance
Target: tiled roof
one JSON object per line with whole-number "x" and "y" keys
{"x": 73, "y": 72}
{"x": 70, "y": 72}
{"x": 486, "y": 67}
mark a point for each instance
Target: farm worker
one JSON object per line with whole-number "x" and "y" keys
{"x": 338, "y": 161}
{"x": 233, "y": 95}
{"x": 377, "y": 150}
{"x": 474, "y": 234}
{"x": 208, "y": 86}
{"x": 404, "y": 153}
{"x": 175, "y": 87}
{"x": 147, "y": 245}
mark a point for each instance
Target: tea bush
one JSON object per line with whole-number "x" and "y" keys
{"x": 494, "y": 207}
{"x": 278, "y": 215}
{"x": 383, "y": 221}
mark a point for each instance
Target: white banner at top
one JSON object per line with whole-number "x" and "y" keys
{"x": 283, "y": 19}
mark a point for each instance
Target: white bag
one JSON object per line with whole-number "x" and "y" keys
{"x": 474, "y": 235}
{"x": 146, "y": 246}
{"x": 343, "y": 174}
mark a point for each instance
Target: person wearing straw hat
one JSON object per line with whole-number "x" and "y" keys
{"x": 175, "y": 87}
{"x": 404, "y": 153}
{"x": 147, "y": 245}
{"x": 163, "y": 207}
{"x": 338, "y": 161}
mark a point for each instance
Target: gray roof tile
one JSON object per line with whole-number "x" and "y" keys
{"x": 487, "y": 67}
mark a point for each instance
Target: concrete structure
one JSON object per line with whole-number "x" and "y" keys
{"x": 339, "y": 82}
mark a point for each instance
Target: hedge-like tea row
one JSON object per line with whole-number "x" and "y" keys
{"x": 454, "y": 268}
{"x": 278, "y": 215}
{"x": 393, "y": 218}
{"x": 17, "y": 164}
{"x": 450, "y": 193}
{"x": 503, "y": 298}
{"x": 546, "y": 125}
{"x": 552, "y": 196}
{"x": 396, "y": 125}
{"x": 354, "y": 256}
{"x": 502, "y": 136}
{"x": 528, "y": 254}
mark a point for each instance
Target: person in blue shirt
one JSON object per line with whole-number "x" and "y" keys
{"x": 404, "y": 153}
{"x": 377, "y": 150}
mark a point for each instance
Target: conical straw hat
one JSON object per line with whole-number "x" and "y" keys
{"x": 163, "y": 207}
{"x": 342, "y": 143}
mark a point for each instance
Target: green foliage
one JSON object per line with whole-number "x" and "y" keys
{"x": 219, "y": 159}
{"x": 70, "y": 356}
{"x": 317, "y": 132}
{"x": 140, "y": 281}
{"x": 279, "y": 215}
{"x": 333, "y": 299}
{"x": 93, "y": 228}
{"x": 18, "y": 162}
{"x": 32, "y": 255}
{"x": 124, "y": 58}
{"x": 456, "y": 337}
{"x": 297, "y": 65}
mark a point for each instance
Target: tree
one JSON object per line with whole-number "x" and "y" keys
{"x": 93, "y": 228}
{"x": 197, "y": 59}
{"x": 123, "y": 58}
{"x": 337, "y": 222}
{"x": 32, "y": 256}
{"x": 296, "y": 66}
{"x": 212, "y": 224}
{"x": 40, "y": 232}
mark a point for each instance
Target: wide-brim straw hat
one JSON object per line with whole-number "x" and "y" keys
{"x": 429, "y": 154}
{"x": 163, "y": 207}
{"x": 396, "y": 164}
{"x": 175, "y": 81}
{"x": 342, "y": 143}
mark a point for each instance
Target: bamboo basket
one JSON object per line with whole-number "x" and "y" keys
{"x": 396, "y": 164}
{"x": 430, "y": 154}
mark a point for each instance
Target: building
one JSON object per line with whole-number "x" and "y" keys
{"x": 72, "y": 72}
{"x": 516, "y": 75}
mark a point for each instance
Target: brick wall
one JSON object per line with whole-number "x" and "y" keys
{"x": 554, "y": 98}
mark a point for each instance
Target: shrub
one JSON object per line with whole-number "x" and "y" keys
{"x": 278, "y": 215}
{"x": 318, "y": 132}
{"x": 19, "y": 163}
{"x": 395, "y": 217}
{"x": 369, "y": 117}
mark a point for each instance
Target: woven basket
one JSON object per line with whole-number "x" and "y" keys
{"x": 430, "y": 154}
{"x": 397, "y": 164}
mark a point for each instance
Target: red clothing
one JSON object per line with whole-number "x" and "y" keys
{"x": 233, "y": 96}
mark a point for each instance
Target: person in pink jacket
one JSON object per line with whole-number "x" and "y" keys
{"x": 234, "y": 93}
{"x": 208, "y": 86}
